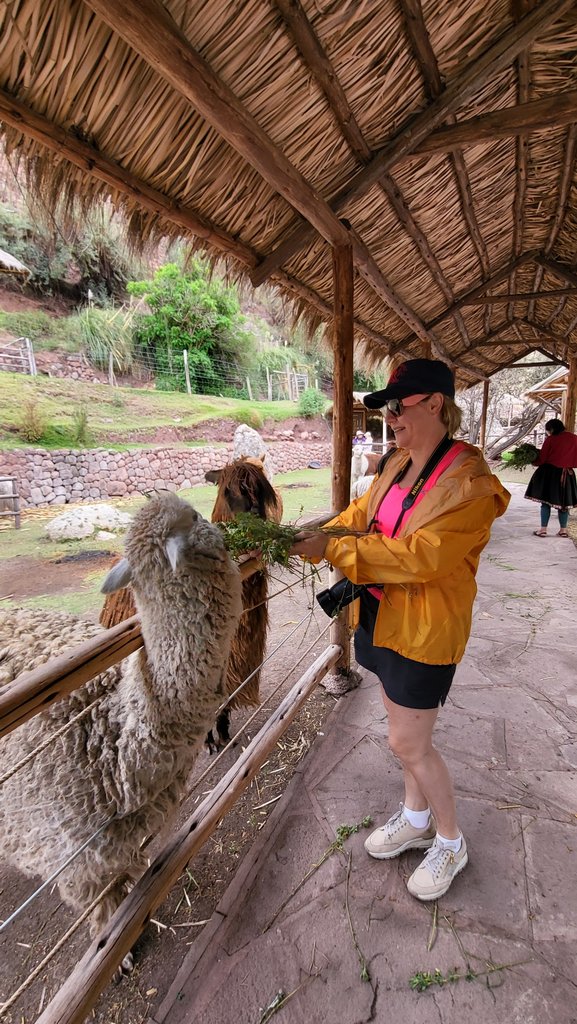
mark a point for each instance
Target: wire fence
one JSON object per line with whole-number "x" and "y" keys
{"x": 295, "y": 637}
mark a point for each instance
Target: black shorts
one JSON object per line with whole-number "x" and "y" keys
{"x": 412, "y": 684}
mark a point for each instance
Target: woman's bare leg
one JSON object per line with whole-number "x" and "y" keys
{"x": 427, "y": 779}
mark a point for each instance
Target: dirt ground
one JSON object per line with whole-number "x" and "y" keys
{"x": 188, "y": 907}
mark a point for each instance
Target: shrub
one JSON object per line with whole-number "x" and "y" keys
{"x": 80, "y": 425}
{"x": 105, "y": 333}
{"x": 311, "y": 403}
{"x": 32, "y": 423}
{"x": 196, "y": 312}
{"x": 250, "y": 416}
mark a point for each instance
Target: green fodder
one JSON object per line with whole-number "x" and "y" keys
{"x": 106, "y": 334}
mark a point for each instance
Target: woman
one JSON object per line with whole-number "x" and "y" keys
{"x": 413, "y": 626}
{"x": 553, "y": 482}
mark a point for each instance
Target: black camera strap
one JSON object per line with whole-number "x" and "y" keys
{"x": 409, "y": 500}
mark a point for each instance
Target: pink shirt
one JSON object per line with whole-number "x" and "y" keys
{"x": 390, "y": 507}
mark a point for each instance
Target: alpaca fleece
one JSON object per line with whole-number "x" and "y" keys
{"x": 130, "y": 757}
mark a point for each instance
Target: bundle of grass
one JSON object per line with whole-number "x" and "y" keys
{"x": 521, "y": 456}
{"x": 272, "y": 541}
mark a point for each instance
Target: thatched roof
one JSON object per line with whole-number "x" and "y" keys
{"x": 551, "y": 389}
{"x": 10, "y": 265}
{"x": 442, "y": 133}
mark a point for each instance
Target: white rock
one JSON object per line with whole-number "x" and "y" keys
{"x": 247, "y": 443}
{"x": 82, "y": 522}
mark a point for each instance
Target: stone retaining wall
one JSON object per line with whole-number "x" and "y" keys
{"x": 59, "y": 477}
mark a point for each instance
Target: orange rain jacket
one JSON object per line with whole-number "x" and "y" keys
{"x": 428, "y": 569}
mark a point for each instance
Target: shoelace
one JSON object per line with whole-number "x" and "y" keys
{"x": 436, "y": 858}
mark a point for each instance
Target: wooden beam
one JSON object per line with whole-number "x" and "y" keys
{"x": 320, "y": 67}
{"x": 496, "y": 278}
{"x": 483, "y": 300}
{"x": 571, "y": 397}
{"x": 519, "y": 8}
{"x": 35, "y": 690}
{"x": 525, "y": 117}
{"x": 484, "y": 410}
{"x": 557, "y": 268}
{"x": 312, "y": 298}
{"x": 316, "y": 60}
{"x": 91, "y": 161}
{"x": 427, "y": 61}
{"x": 147, "y": 26}
{"x": 76, "y": 997}
{"x": 565, "y": 181}
{"x": 497, "y": 57}
{"x": 545, "y": 331}
{"x": 343, "y": 286}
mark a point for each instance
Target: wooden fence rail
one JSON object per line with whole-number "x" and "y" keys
{"x": 77, "y": 996}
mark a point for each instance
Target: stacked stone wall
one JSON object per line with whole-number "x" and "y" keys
{"x": 59, "y": 477}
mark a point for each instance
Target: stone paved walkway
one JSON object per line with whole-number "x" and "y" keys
{"x": 509, "y": 733}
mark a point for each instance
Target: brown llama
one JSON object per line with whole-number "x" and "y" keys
{"x": 242, "y": 487}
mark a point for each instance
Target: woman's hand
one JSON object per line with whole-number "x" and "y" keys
{"x": 310, "y": 545}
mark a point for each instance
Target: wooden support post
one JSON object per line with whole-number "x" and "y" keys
{"x": 186, "y": 370}
{"x": 268, "y": 384}
{"x": 249, "y": 389}
{"x": 571, "y": 397}
{"x": 73, "y": 1002}
{"x": 484, "y": 408}
{"x": 343, "y": 286}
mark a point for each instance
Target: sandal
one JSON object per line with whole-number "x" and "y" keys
{"x": 539, "y": 533}
{"x": 563, "y": 533}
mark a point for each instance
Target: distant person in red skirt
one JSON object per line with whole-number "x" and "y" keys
{"x": 553, "y": 482}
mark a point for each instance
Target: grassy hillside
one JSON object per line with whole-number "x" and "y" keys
{"x": 122, "y": 415}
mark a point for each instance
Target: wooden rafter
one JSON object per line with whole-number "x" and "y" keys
{"x": 498, "y": 56}
{"x": 483, "y": 300}
{"x": 495, "y": 279}
{"x": 552, "y": 112}
{"x": 565, "y": 181}
{"x": 557, "y": 268}
{"x": 426, "y": 60}
{"x": 318, "y": 64}
{"x": 149, "y": 29}
{"x": 520, "y": 7}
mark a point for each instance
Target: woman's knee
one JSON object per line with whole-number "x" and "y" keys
{"x": 409, "y": 749}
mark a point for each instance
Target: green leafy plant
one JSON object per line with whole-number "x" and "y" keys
{"x": 311, "y": 403}
{"x": 80, "y": 425}
{"x": 194, "y": 311}
{"x": 521, "y": 456}
{"x": 32, "y": 423}
{"x": 106, "y": 333}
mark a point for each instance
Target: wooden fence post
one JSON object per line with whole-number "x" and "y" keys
{"x": 343, "y": 305}
{"x": 484, "y": 409}
{"x": 186, "y": 370}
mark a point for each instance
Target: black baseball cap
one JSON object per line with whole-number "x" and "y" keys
{"x": 414, "y": 377}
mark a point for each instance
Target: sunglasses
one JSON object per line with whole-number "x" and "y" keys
{"x": 397, "y": 406}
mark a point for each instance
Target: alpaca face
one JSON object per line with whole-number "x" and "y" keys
{"x": 166, "y": 530}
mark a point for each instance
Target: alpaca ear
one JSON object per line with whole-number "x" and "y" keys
{"x": 119, "y": 576}
{"x": 175, "y": 548}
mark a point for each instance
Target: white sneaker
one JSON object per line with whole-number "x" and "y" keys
{"x": 398, "y": 835}
{"x": 434, "y": 876}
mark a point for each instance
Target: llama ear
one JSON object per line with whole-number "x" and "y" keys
{"x": 175, "y": 547}
{"x": 119, "y": 576}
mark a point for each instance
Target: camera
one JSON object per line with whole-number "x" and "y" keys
{"x": 334, "y": 599}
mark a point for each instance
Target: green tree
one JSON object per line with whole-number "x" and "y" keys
{"x": 192, "y": 310}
